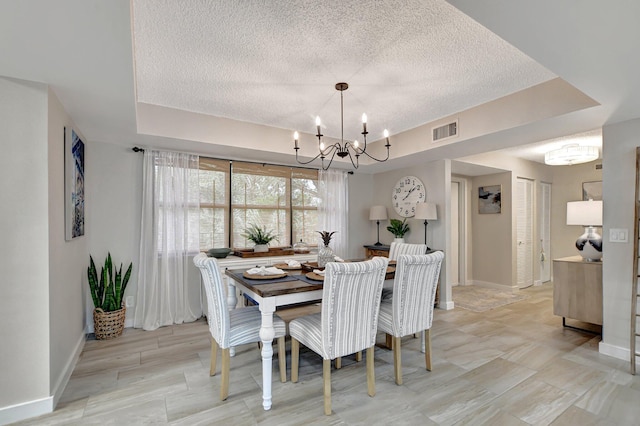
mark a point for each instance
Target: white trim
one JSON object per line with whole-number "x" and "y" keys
{"x": 614, "y": 351}
{"x": 59, "y": 387}
{"x": 26, "y": 410}
{"x": 537, "y": 283}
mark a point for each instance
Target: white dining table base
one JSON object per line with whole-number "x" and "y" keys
{"x": 267, "y": 307}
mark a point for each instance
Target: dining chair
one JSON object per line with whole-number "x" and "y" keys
{"x": 342, "y": 327}
{"x": 411, "y": 309}
{"x": 233, "y": 327}
{"x": 397, "y": 249}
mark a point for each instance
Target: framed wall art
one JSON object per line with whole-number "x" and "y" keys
{"x": 73, "y": 184}
{"x": 489, "y": 199}
{"x": 592, "y": 190}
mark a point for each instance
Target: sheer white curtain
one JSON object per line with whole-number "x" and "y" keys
{"x": 334, "y": 208}
{"x": 168, "y": 282}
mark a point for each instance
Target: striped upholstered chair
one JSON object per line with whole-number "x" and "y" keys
{"x": 411, "y": 309}
{"x": 395, "y": 250}
{"x": 232, "y": 327}
{"x": 344, "y": 326}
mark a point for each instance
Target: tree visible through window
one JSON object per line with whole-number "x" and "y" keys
{"x": 235, "y": 195}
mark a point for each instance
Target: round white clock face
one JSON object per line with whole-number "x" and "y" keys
{"x": 408, "y": 192}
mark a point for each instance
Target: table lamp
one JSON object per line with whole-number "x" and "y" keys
{"x": 378, "y": 213}
{"x": 589, "y": 215}
{"x": 426, "y": 211}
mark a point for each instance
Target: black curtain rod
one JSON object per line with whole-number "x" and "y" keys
{"x": 137, "y": 149}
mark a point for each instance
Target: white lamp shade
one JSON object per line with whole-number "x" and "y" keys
{"x": 584, "y": 213}
{"x": 378, "y": 213}
{"x": 427, "y": 211}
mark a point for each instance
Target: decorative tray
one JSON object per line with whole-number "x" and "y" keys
{"x": 286, "y": 267}
{"x": 314, "y": 276}
{"x": 275, "y": 251}
{"x": 262, "y": 277}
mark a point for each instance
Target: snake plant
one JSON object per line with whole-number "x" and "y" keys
{"x": 107, "y": 291}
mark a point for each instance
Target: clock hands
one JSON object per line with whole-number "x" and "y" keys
{"x": 409, "y": 193}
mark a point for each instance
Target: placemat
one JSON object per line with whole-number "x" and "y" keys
{"x": 263, "y": 277}
{"x": 271, "y": 280}
{"x": 286, "y": 267}
{"x": 307, "y": 280}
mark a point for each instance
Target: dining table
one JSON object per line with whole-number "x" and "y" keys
{"x": 269, "y": 292}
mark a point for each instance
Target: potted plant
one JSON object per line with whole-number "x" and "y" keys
{"x": 260, "y": 236}
{"x": 398, "y": 228}
{"x": 107, "y": 292}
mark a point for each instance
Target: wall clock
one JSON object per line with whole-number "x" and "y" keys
{"x": 408, "y": 192}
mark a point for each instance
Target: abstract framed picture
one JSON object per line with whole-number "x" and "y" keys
{"x": 592, "y": 190}
{"x": 73, "y": 184}
{"x": 489, "y": 199}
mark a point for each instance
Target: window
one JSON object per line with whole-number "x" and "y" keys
{"x": 234, "y": 195}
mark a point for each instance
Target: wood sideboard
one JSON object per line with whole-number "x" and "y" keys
{"x": 577, "y": 289}
{"x": 374, "y": 250}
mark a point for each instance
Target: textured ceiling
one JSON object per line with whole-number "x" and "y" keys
{"x": 407, "y": 62}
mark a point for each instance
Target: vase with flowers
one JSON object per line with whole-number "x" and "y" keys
{"x": 325, "y": 253}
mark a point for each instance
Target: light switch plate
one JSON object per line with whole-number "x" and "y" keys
{"x": 618, "y": 235}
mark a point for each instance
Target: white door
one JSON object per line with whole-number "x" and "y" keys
{"x": 524, "y": 232}
{"x": 455, "y": 233}
{"x": 544, "y": 232}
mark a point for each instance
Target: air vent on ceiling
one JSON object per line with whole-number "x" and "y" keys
{"x": 443, "y": 132}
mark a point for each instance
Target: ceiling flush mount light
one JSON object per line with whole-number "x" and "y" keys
{"x": 571, "y": 154}
{"x": 343, "y": 148}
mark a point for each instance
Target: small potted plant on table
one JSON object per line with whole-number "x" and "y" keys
{"x": 398, "y": 228}
{"x": 107, "y": 293}
{"x": 260, "y": 236}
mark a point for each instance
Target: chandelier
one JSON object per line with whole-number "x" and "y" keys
{"x": 571, "y": 154}
{"x": 343, "y": 148}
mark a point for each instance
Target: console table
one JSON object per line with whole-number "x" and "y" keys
{"x": 577, "y": 290}
{"x": 374, "y": 250}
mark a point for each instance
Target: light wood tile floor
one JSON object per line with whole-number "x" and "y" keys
{"x": 513, "y": 365}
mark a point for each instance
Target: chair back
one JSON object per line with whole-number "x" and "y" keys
{"x": 350, "y": 305}
{"x": 218, "y": 314}
{"x": 414, "y": 292}
{"x": 396, "y": 249}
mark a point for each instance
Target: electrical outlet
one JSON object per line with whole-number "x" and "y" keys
{"x": 128, "y": 301}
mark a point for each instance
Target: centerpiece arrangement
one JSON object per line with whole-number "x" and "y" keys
{"x": 398, "y": 228}
{"x": 325, "y": 253}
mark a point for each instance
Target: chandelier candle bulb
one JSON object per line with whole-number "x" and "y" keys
{"x": 318, "y": 122}
{"x": 295, "y": 139}
{"x": 364, "y": 123}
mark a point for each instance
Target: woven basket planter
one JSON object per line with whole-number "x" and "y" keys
{"x": 107, "y": 325}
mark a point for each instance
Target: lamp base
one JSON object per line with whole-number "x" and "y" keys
{"x": 378, "y": 243}
{"x": 589, "y": 245}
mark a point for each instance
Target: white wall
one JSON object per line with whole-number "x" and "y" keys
{"x": 567, "y": 186}
{"x": 24, "y": 252}
{"x": 618, "y": 176}
{"x": 67, "y": 259}
{"x": 114, "y": 181}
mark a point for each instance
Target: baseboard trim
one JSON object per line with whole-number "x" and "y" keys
{"x": 537, "y": 283}
{"x": 68, "y": 370}
{"x": 614, "y": 351}
{"x": 26, "y": 410}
